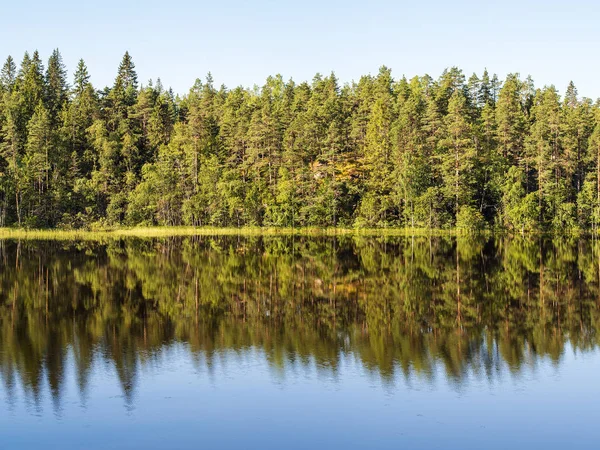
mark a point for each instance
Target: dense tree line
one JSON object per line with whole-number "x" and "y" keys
{"x": 379, "y": 152}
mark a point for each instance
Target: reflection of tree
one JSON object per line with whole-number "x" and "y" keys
{"x": 407, "y": 305}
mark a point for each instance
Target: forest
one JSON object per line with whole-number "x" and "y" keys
{"x": 453, "y": 152}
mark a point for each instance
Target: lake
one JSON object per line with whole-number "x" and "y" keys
{"x": 299, "y": 342}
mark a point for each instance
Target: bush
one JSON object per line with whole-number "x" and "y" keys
{"x": 470, "y": 219}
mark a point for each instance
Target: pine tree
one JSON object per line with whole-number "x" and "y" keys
{"x": 11, "y": 143}
{"x": 458, "y": 155}
{"x": 8, "y": 75}
{"x": 32, "y": 85}
{"x": 593, "y": 156}
{"x": 377, "y": 205}
{"x": 56, "y": 88}
{"x": 126, "y": 83}
{"x": 511, "y": 121}
{"x": 544, "y": 150}
{"x": 411, "y": 160}
{"x": 81, "y": 78}
{"x": 485, "y": 95}
{"x": 36, "y": 161}
{"x": 77, "y": 197}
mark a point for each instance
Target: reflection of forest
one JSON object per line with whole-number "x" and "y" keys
{"x": 398, "y": 304}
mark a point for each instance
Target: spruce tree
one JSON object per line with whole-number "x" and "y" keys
{"x": 56, "y": 88}
{"x": 8, "y": 75}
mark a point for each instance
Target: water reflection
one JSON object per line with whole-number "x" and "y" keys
{"x": 409, "y": 308}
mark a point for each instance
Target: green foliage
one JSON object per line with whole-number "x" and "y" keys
{"x": 469, "y": 219}
{"x": 520, "y": 209}
{"x": 418, "y": 153}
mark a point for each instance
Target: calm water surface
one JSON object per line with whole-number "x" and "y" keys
{"x": 227, "y": 342}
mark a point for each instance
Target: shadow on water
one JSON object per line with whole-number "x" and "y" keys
{"x": 468, "y": 308}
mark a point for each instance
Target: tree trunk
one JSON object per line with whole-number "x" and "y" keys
{"x": 456, "y": 174}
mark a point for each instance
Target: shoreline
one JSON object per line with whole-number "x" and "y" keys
{"x": 157, "y": 232}
{"x": 151, "y": 232}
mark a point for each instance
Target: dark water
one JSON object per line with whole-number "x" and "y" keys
{"x": 301, "y": 343}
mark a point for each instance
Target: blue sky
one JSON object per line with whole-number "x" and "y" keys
{"x": 242, "y": 42}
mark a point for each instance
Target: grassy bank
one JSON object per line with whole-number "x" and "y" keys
{"x": 152, "y": 232}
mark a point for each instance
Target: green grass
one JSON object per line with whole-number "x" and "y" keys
{"x": 151, "y": 232}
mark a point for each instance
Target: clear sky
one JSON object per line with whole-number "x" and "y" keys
{"x": 242, "y": 42}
